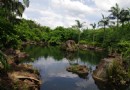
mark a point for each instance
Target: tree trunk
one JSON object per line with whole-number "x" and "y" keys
{"x": 117, "y": 23}
{"x": 93, "y": 39}
{"x": 122, "y": 25}
{"x": 79, "y": 38}
{"x": 104, "y": 34}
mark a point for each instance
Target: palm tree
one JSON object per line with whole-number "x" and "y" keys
{"x": 93, "y": 26}
{"x": 129, "y": 15}
{"x": 124, "y": 16}
{"x": 79, "y": 25}
{"x": 14, "y": 8}
{"x": 103, "y": 23}
{"x": 26, "y": 3}
{"x": 115, "y": 12}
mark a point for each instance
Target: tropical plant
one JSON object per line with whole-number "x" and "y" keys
{"x": 14, "y": 8}
{"x": 93, "y": 26}
{"x": 3, "y": 61}
{"x": 103, "y": 23}
{"x": 124, "y": 16}
{"x": 115, "y": 13}
{"x": 117, "y": 74}
{"x": 79, "y": 25}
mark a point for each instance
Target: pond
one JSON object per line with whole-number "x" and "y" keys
{"x": 52, "y": 63}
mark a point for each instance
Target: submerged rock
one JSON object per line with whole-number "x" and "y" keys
{"x": 81, "y": 70}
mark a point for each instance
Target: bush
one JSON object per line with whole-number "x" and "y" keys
{"x": 9, "y": 37}
{"x": 117, "y": 74}
{"x": 3, "y": 61}
{"x": 83, "y": 42}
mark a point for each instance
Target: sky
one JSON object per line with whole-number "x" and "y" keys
{"x": 55, "y": 13}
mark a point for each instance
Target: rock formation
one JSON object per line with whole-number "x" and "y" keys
{"x": 69, "y": 45}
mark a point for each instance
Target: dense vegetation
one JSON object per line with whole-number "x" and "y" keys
{"x": 114, "y": 36}
{"x": 113, "y": 33}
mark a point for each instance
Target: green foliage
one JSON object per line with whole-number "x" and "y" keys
{"x": 117, "y": 74}
{"x": 91, "y": 57}
{"x": 13, "y": 8}
{"x": 126, "y": 56}
{"x": 123, "y": 45}
{"x": 28, "y": 30}
{"x": 83, "y": 42}
{"x": 8, "y": 36}
{"x": 3, "y": 61}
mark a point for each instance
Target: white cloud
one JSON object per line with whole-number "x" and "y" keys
{"x": 107, "y": 4}
{"x": 104, "y": 4}
{"x": 51, "y": 67}
{"x": 64, "y": 12}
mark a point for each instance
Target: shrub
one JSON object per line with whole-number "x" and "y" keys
{"x": 117, "y": 74}
{"x": 83, "y": 42}
{"x": 3, "y": 61}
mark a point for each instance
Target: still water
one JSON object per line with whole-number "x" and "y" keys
{"x": 52, "y": 63}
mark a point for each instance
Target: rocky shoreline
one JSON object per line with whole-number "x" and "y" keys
{"x": 71, "y": 46}
{"x": 18, "y": 76}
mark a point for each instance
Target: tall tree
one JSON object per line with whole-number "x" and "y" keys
{"x": 124, "y": 16}
{"x": 115, "y": 12}
{"x": 103, "y": 23}
{"x": 129, "y": 15}
{"x": 93, "y": 26}
{"x": 79, "y": 25}
{"x": 14, "y": 8}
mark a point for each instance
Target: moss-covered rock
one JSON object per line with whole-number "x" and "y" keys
{"x": 112, "y": 71}
{"x": 81, "y": 70}
{"x": 100, "y": 73}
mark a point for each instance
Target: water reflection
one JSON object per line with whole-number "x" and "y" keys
{"x": 52, "y": 64}
{"x": 53, "y": 68}
{"x": 90, "y": 57}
